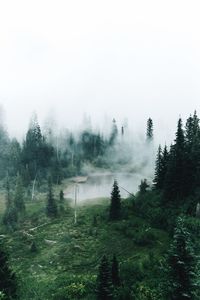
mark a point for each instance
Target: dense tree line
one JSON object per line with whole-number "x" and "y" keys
{"x": 42, "y": 153}
{"x": 177, "y": 170}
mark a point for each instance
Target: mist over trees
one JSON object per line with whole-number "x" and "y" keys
{"x": 177, "y": 169}
{"x": 154, "y": 232}
{"x": 63, "y": 154}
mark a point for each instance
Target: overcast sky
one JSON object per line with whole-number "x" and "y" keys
{"x": 130, "y": 59}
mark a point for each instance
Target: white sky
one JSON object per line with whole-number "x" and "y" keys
{"x": 130, "y": 59}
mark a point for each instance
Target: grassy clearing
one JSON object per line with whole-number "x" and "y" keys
{"x": 69, "y": 254}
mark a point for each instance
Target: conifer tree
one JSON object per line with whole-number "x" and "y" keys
{"x": 8, "y": 284}
{"x": 164, "y": 164}
{"x": 175, "y": 188}
{"x": 10, "y": 216}
{"x": 114, "y": 133}
{"x": 115, "y": 272}
{"x": 182, "y": 262}
{"x": 192, "y": 152}
{"x": 19, "y": 196}
{"x": 158, "y": 169}
{"x": 104, "y": 281}
{"x": 143, "y": 186}
{"x": 149, "y": 133}
{"x": 161, "y": 168}
{"x": 115, "y": 206}
{"x": 51, "y": 209}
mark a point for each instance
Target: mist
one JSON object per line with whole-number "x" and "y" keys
{"x": 104, "y": 59}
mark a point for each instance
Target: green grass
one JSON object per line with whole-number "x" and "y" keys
{"x": 69, "y": 253}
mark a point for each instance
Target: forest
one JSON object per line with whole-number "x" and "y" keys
{"x": 143, "y": 246}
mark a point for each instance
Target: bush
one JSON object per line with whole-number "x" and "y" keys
{"x": 74, "y": 287}
{"x": 71, "y": 291}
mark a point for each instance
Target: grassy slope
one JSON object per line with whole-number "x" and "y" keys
{"x": 76, "y": 249}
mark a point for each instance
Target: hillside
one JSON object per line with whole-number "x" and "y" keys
{"x": 64, "y": 261}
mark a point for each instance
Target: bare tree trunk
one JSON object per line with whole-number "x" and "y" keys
{"x": 75, "y": 203}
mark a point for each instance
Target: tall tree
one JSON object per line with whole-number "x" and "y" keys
{"x": 115, "y": 272}
{"x": 36, "y": 153}
{"x": 176, "y": 179}
{"x": 158, "y": 169}
{"x": 143, "y": 186}
{"x": 192, "y": 140}
{"x": 161, "y": 168}
{"x": 51, "y": 209}
{"x": 115, "y": 206}
{"x": 14, "y": 157}
{"x": 104, "y": 281}
{"x": 19, "y": 196}
{"x": 10, "y": 216}
{"x": 4, "y": 147}
{"x": 114, "y": 133}
{"x": 149, "y": 133}
{"x": 182, "y": 263}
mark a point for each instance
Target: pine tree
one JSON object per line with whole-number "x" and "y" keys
{"x": 104, "y": 282}
{"x": 149, "y": 133}
{"x": 192, "y": 140}
{"x": 158, "y": 169}
{"x": 115, "y": 272}
{"x": 143, "y": 186}
{"x": 161, "y": 168}
{"x": 114, "y": 133}
{"x": 182, "y": 262}
{"x": 115, "y": 206}
{"x": 19, "y": 196}
{"x": 175, "y": 188}
{"x": 36, "y": 153}
{"x": 51, "y": 209}
{"x": 10, "y": 216}
{"x": 8, "y": 285}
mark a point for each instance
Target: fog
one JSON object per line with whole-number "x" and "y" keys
{"x": 100, "y": 185}
{"x": 131, "y": 59}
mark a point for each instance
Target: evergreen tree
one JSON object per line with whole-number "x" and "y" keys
{"x": 149, "y": 133}
{"x": 36, "y": 153}
{"x": 143, "y": 186}
{"x": 158, "y": 169}
{"x": 182, "y": 262}
{"x": 161, "y": 168}
{"x": 51, "y": 209}
{"x": 14, "y": 157}
{"x": 10, "y": 216}
{"x": 8, "y": 283}
{"x": 164, "y": 166}
{"x": 175, "y": 188}
{"x": 192, "y": 139}
{"x": 115, "y": 206}
{"x": 115, "y": 272}
{"x": 114, "y": 133}
{"x": 4, "y": 148}
{"x": 104, "y": 282}
{"x": 19, "y": 196}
